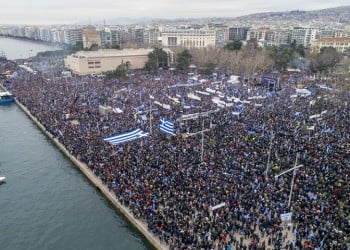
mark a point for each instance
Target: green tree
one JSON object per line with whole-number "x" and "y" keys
{"x": 300, "y": 50}
{"x": 120, "y": 72}
{"x": 208, "y": 68}
{"x": 183, "y": 60}
{"x": 157, "y": 58}
{"x": 281, "y": 55}
{"x": 234, "y": 45}
{"x": 79, "y": 45}
{"x": 94, "y": 46}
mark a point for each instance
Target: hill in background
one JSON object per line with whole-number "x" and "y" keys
{"x": 331, "y": 15}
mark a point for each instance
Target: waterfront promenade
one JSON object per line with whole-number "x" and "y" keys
{"x": 97, "y": 183}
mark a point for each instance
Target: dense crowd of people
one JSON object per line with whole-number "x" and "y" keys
{"x": 174, "y": 183}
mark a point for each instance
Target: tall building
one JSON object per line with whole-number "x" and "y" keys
{"x": 106, "y": 37}
{"x": 91, "y": 36}
{"x": 151, "y": 36}
{"x": 278, "y": 37}
{"x": 31, "y": 32}
{"x": 221, "y": 37}
{"x": 259, "y": 34}
{"x": 303, "y": 35}
{"x": 57, "y": 35}
{"x": 73, "y": 36}
{"x": 45, "y": 34}
{"x": 239, "y": 33}
{"x": 137, "y": 35}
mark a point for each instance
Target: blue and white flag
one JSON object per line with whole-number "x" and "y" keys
{"x": 126, "y": 136}
{"x": 166, "y": 126}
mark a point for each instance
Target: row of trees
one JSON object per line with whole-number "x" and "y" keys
{"x": 245, "y": 60}
{"x": 251, "y": 58}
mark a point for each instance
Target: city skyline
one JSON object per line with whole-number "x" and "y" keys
{"x": 40, "y": 12}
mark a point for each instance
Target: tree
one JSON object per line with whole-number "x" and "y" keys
{"x": 120, "y": 72}
{"x": 300, "y": 50}
{"x": 94, "y": 46}
{"x": 209, "y": 68}
{"x": 203, "y": 57}
{"x": 79, "y": 45}
{"x": 157, "y": 58}
{"x": 325, "y": 60}
{"x": 234, "y": 46}
{"x": 152, "y": 63}
{"x": 282, "y": 55}
{"x": 183, "y": 60}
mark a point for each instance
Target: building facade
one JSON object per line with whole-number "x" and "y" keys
{"x": 341, "y": 44}
{"x": 189, "y": 38}
{"x": 238, "y": 33}
{"x": 303, "y": 36}
{"x": 91, "y": 36}
{"x": 95, "y": 62}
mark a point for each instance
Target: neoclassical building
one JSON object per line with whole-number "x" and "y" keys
{"x": 341, "y": 44}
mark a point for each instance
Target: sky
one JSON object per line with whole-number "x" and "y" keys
{"x": 93, "y": 11}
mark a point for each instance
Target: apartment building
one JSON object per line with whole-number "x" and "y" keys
{"x": 278, "y": 37}
{"x": 303, "y": 35}
{"x": 106, "y": 36}
{"x": 238, "y": 33}
{"x": 259, "y": 34}
{"x": 151, "y": 36}
{"x": 73, "y": 35}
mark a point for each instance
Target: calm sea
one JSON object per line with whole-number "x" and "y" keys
{"x": 46, "y": 202}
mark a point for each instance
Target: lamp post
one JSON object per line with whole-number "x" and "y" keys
{"x": 194, "y": 117}
{"x": 269, "y": 154}
{"x": 287, "y": 171}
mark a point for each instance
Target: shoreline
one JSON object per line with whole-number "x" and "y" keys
{"x": 97, "y": 183}
{"x": 33, "y": 40}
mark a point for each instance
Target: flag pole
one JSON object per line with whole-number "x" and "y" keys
{"x": 150, "y": 116}
{"x": 202, "y": 152}
{"x": 269, "y": 154}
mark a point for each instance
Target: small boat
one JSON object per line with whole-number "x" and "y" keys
{"x": 2, "y": 179}
{"x": 6, "y": 97}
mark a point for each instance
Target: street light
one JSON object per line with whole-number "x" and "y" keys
{"x": 269, "y": 153}
{"x": 195, "y": 116}
{"x": 287, "y": 171}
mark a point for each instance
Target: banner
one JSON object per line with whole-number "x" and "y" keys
{"x": 218, "y": 206}
{"x": 286, "y": 217}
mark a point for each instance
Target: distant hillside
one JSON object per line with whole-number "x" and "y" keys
{"x": 339, "y": 14}
{"x": 331, "y": 15}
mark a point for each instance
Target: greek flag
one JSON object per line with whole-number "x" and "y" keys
{"x": 166, "y": 126}
{"x": 126, "y": 136}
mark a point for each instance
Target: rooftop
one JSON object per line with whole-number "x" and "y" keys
{"x": 112, "y": 53}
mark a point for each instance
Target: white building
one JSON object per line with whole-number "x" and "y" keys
{"x": 188, "y": 38}
{"x": 303, "y": 35}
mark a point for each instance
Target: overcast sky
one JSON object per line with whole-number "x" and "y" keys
{"x": 73, "y": 11}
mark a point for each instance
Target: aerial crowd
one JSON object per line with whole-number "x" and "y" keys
{"x": 241, "y": 160}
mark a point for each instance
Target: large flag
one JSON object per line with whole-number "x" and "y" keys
{"x": 126, "y": 136}
{"x": 166, "y": 126}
